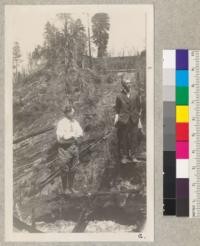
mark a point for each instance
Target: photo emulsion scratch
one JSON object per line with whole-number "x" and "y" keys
{"x": 79, "y": 123}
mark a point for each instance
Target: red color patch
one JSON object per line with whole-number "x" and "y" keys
{"x": 182, "y": 131}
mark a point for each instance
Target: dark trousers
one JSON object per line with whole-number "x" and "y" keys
{"x": 68, "y": 158}
{"x": 127, "y": 138}
{"x": 67, "y": 179}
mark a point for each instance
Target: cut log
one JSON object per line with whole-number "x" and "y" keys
{"x": 32, "y": 135}
{"x": 23, "y": 226}
{"x": 82, "y": 221}
{"x": 123, "y": 207}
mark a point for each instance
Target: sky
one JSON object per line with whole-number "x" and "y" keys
{"x": 25, "y": 24}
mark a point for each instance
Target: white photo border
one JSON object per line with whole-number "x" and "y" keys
{"x": 148, "y": 232}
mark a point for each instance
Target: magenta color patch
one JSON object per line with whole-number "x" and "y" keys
{"x": 182, "y": 150}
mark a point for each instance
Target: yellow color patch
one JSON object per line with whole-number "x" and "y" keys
{"x": 182, "y": 114}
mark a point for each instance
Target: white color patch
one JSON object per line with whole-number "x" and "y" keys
{"x": 182, "y": 168}
{"x": 169, "y": 59}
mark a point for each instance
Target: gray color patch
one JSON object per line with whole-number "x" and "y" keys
{"x": 169, "y": 126}
{"x": 169, "y": 93}
{"x": 169, "y": 142}
{"x": 169, "y": 77}
{"x": 169, "y": 110}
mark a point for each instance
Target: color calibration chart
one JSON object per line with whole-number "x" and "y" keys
{"x": 181, "y": 132}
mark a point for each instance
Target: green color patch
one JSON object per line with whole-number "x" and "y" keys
{"x": 182, "y": 95}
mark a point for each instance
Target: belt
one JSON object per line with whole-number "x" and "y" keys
{"x": 67, "y": 143}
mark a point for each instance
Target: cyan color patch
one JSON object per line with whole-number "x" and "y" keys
{"x": 182, "y": 78}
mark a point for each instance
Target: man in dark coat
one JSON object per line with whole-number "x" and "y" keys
{"x": 126, "y": 120}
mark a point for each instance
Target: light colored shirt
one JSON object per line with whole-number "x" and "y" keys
{"x": 67, "y": 129}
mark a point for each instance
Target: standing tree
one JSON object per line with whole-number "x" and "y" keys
{"x": 72, "y": 42}
{"x": 50, "y": 42}
{"x": 100, "y": 29}
{"x": 16, "y": 58}
{"x": 80, "y": 41}
{"x": 66, "y": 40}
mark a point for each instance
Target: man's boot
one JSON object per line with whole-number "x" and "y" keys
{"x": 134, "y": 159}
{"x": 125, "y": 160}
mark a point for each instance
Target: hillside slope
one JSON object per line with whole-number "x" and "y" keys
{"x": 38, "y": 103}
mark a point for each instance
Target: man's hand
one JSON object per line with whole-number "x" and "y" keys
{"x": 116, "y": 119}
{"x": 65, "y": 168}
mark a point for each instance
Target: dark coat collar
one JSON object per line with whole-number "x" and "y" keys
{"x": 123, "y": 91}
{"x": 125, "y": 97}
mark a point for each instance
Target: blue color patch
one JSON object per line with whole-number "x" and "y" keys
{"x": 182, "y": 78}
{"x": 181, "y": 59}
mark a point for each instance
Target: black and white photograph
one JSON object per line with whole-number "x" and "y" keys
{"x": 79, "y": 112}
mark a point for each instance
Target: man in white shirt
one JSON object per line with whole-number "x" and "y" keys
{"x": 68, "y": 131}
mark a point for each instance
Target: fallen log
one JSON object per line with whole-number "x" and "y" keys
{"x": 82, "y": 221}
{"x": 98, "y": 193}
{"x": 83, "y": 152}
{"x": 33, "y": 135}
{"x": 23, "y": 226}
{"x": 122, "y": 208}
{"x": 90, "y": 206}
{"x": 50, "y": 205}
